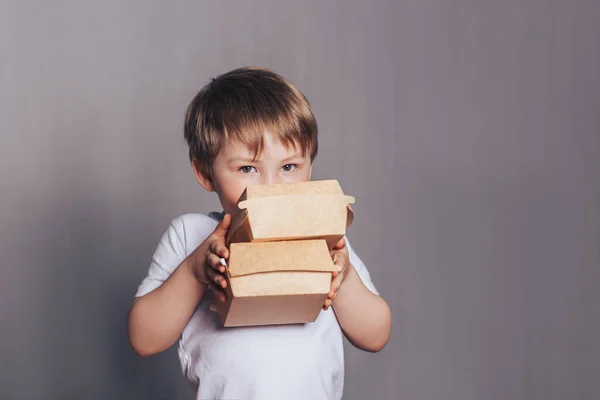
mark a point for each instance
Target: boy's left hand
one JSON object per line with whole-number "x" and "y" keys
{"x": 340, "y": 257}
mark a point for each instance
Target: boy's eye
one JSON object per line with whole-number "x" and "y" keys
{"x": 247, "y": 169}
{"x": 289, "y": 167}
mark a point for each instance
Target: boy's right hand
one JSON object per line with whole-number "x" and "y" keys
{"x": 207, "y": 264}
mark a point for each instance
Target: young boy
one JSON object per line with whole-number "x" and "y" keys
{"x": 247, "y": 127}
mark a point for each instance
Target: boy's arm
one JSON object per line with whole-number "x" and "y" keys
{"x": 156, "y": 320}
{"x": 365, "y": 318}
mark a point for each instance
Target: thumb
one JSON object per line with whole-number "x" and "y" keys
{"x": 223, "y": 227}
{"x": 340, "y": 245}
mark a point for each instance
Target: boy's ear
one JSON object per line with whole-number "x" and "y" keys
{"x": 202, "y": 176}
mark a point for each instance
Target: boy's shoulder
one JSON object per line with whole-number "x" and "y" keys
{"x": 196, "y": 219}
{"x": 193, "y": 228}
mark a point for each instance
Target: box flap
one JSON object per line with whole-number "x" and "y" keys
{"x": 237, "y": 220}
{"x": 295, "y": 199}
{"x": 298, "y": 255}
{"x": 279, "y": 189}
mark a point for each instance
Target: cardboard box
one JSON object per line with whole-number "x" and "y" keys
{"x": 279, "y": 268}
{"x": 297, "y": 211}
{"x": 276, "y": 283}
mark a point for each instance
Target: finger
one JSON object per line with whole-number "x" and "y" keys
{"x": 215, "y": 262}
{"x": 332, "y": 292}
{"x": 327, "y": 304}
{"x": 223, "y": 227}
{"x": 219, "y": 292}
{"x": 332, "y": 298}
{"x": 218, "y": 247}
{"x": 340, "y": 245}
{"x": 335, "y": 286}
{"x": 220, "y": 280}
{"x": 340, "y": 258}
{"x": 217, "y": 278}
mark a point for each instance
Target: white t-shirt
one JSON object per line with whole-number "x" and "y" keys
{"x": 301, "y": 361}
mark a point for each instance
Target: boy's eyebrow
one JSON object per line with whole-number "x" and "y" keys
{"x": 248, "y": 159}
{"x": 294, "y": 157}
{"x": 252, "y": 160}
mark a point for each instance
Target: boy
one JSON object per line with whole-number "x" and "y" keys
{"x": 246, "y": 127}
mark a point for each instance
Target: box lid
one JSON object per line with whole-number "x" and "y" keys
{"x": 298, "y": 255}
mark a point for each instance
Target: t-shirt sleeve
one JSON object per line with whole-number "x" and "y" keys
{"x": 169, "y": 253}
{"x": 360, "y": 268}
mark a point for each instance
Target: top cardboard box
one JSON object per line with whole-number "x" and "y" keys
{"x": 296, "y": 211}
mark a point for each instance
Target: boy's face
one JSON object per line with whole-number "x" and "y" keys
{"x": 234, "y": 169}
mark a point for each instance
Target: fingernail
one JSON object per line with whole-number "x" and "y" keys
{"x": 223, "y": 262}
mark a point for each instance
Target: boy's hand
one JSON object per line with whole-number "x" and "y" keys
{"x": 340, "y": 257}
{"x": 207, "y": 266}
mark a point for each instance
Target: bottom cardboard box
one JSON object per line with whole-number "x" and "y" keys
{"x": 276, "y": 283}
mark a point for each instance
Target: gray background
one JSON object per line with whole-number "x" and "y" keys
{"x": 469, "y": 131}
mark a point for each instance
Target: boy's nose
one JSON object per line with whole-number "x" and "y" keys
{"x": 268, "y": 179}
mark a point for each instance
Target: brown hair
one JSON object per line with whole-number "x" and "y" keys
{"x": 241, "y": 105}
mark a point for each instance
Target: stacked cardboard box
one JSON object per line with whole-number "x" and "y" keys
{"x": 279, "y": 268}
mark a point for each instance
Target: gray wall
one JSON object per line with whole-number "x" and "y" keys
{"x": 469, "y": 132}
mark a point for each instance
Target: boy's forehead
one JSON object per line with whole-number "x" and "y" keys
{"x": 271, "y": 147}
